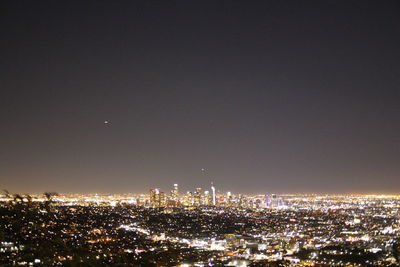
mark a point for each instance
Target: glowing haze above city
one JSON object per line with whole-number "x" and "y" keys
{"x": 267, "y": 97}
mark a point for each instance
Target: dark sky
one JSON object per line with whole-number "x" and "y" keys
{"x": 267, "y": 96}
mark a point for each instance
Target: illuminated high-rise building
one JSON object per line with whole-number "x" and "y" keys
{"x": 162, "y": 201}
{"x": 188, "y": 201}
{"x": 214, "y": 198}
{"x": 157, "y": 198}
{"x": 154, "y": 196}
{"x": 206, "y": 198}
{"x": 228, "y": 199}
{"x": 175, "y": 193}
{"x": 197, "y": 196}
{"x": 240, "y": 201}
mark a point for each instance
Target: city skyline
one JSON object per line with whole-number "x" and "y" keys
{"x": 266, "y": 96}
{"x": 240, "y": 231}
{"x": 200, "y": 133}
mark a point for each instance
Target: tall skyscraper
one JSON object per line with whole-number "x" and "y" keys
{"x": 197, "y": 196}
{"x": 162, "y": 201}
{"x": 188, "y": 199}
{"x": 154, "y": 196}
{"x": 157, "y": 198}
{"x": 228, "y": 199}
{"x": 206, "y": 198}
{"x": 175, "y": 193}
{"x": 214, "y": 199}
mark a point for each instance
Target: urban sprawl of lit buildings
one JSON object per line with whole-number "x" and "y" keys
{"x": 202, "y": 227}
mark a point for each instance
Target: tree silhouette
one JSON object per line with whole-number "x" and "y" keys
{"x": 396, "y": 250}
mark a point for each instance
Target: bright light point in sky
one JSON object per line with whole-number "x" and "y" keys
{"x": 105, "y": 122}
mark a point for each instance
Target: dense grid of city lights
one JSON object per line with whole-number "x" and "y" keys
{"x": 200, "y": 228}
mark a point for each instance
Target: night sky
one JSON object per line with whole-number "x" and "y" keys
{"x": 266, "y": 96}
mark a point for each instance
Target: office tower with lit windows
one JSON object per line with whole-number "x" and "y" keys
{"x": 197, "y": 196}
{"x": 157, "y": 198}
{"x": 206, "y": 198}
{"x": 214, "y": 198}
{"x": 153, "y": 196}
{"x": 174, "y": 197}
{"x": 162, "y": 202}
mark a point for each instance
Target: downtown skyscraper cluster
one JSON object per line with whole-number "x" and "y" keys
{"x": 212, "y": 197}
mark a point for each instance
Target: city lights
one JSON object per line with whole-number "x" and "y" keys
{"x": 196, "y": 228}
